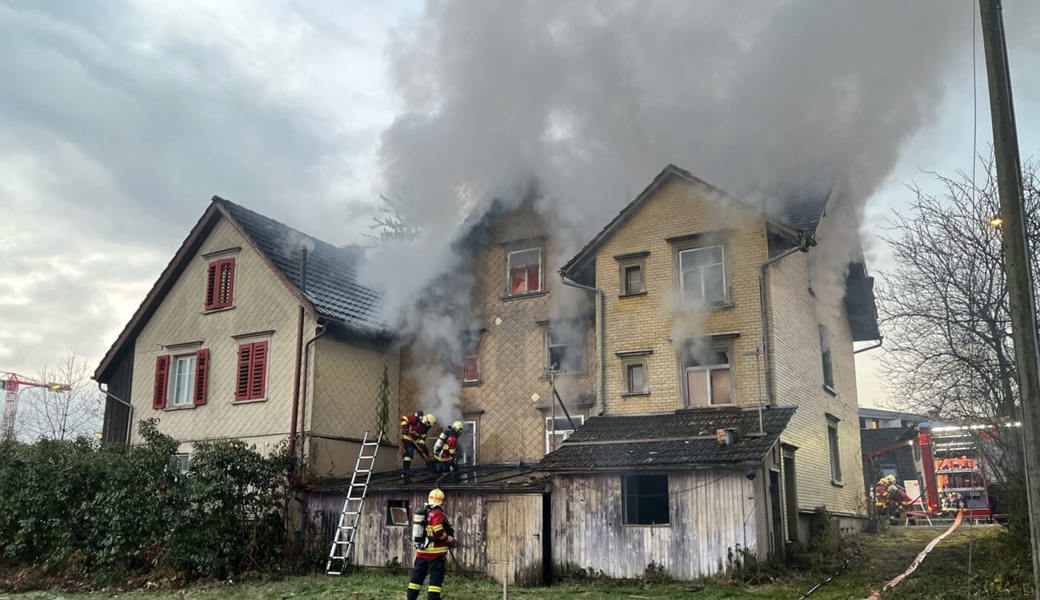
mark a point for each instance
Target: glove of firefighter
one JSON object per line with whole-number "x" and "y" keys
{"x": 452, "y": 542}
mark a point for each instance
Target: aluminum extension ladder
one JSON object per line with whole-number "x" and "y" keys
{"x": 346, "y": 530}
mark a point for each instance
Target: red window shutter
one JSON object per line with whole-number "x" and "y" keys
{"x": 162, "y": 376}
{"x": 201, "y": 376}
{"x": 211, "y": 286}
{"x": 258, "y": 371}
{"x": 245, "y": 355}
{"x": 226, "y": 289}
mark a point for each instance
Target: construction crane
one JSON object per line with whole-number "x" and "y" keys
{"x": 13, "y": 384}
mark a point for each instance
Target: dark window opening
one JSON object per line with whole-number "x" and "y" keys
{"x": 645, "y": 499}
{"x": 398, "y": 513}
{"x": 825, "y": 355}
{"x": 566, "y": 348}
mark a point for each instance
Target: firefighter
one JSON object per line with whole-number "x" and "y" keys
{"x": 433, "y": 536}
{"x": 446, "y": 447}
{"x": 413, "y": 439}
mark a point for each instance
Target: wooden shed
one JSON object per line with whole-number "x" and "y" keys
{"x": 499, "y": 512}
{"x": 687, "y": 492}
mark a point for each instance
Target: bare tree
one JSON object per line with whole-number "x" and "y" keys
{"x": 389, "y": 224}
{"x": 61, "y": 415}
{"x": 944, "y": 307}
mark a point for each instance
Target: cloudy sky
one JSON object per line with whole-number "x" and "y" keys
{"x": 120, "y": 119}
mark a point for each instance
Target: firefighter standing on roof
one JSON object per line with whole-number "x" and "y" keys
{"x": 433, "y": 536}
{"x": 413, "y": 439}
{"x": 447, "y": 446}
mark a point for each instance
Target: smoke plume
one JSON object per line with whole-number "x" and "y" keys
{"x": 772, "y": 102}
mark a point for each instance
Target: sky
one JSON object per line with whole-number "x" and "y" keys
{"x": 120, "y": 120}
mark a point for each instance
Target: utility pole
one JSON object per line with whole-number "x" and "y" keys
{"x": 1017, "y": 258}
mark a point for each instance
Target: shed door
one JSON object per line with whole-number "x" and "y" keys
{"x": 499, "y": 544}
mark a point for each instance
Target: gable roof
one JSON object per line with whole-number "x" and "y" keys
{"x": 331, "y": 290}
{"x": 802, "y": 218}
{"x": 683, "y": 439}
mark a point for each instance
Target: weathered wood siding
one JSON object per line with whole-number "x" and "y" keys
{"x": 707, "y": 512}
{"x": 120, "y": 383}
{"x": 500, "y": 534}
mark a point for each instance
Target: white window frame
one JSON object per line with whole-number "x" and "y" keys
{"x": 471, "y": 439}
{"x": 728, "y": 351}
{"x": 682, "y": 275}
{"x": 566, "y": 433}
{"x": 189, "y": 384}
{"x": 509, "y": 273}
{"x": 579, "y": 342}
{"x": 181, "y": 461}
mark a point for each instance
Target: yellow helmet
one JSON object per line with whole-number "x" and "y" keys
{"x": 436, "y": 497}
{"x": 430, "y": 420}
{"x": 457, "y": 426}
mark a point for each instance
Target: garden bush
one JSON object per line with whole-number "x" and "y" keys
{"x": 76, "y": 508}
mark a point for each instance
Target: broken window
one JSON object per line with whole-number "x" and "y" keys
{"x": 702, "y": 275}
{"x": 525, "y": 271}
{"x": 559, "y": 430}
{"x": 825, "y": 355}
{"x": 645, "y": 499}
{"x": 832, "y": 439}
{"x": 398, "y": 513}
{"x": 467, "y": 449}
{"x": 469, "y": 370}
{"x": 565, "y": 352}
{"x": 709, "y": 381}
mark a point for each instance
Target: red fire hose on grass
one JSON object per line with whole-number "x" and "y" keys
{"x": 920, "y": 558}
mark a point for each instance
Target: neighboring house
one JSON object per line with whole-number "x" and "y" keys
{"x": 877, "y": 418}
{"x": 249, "y": 321}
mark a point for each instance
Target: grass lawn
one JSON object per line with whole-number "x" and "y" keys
{"x": 942, "y": 575}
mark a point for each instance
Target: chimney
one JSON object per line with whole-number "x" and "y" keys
{"x": 726, "y": 436}
{"x": 303, "y": 269}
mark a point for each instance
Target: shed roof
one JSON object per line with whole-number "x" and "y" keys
{"x": 685, "y": 438}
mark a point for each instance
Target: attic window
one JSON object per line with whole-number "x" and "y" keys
{"x": 702, "y": 275}
{"x": 525, "y": 271}
{"x": 220, "y": 284}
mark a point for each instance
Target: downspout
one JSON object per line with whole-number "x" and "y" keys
{"x": 600, "y": 344}
{"x": 804, "y": 241}
{"x": 306, "y": 367}
{"x": 880, "y": 341}
{"x": 296, "y": 385}
{"x": 129, "y": 416}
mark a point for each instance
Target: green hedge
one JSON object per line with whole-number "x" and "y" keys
{"x": 77, "y": 507}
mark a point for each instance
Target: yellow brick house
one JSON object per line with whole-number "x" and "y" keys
{"x": 712, "y": 327}
{"x": 255, "y": 331}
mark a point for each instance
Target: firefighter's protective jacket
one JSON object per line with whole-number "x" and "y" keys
{"x": 414, "y": 429}
{"x": 437, "y": 531}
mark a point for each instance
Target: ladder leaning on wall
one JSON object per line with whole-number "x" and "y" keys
{"x": 350, "y": 517}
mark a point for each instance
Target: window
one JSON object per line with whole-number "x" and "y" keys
{"x": 702, "y": 275}
{"x": 220, "y": 284}
{"x": 469, "y": 371}
{"x": 832, "y": 438}
{"x": 709, "y": 381}
{"x": 565, "y": 347}
{"x": 525, "y": 271}
{"x": 183, "y": 383}
{"x": 634, "y": 279}
{"x": 645, "y": 499}
{"x": 825, "y": 354}
{"x": 467, "y": 450}
{"x": 635, "y": 375}
{"x": 180, "y": 462}
{"x": 251, "y": 376}
{"x": 398, "y": 513}
{"x": 554, "y": 436}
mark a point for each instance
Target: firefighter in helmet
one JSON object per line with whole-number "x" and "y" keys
{"x": 414, "y": 428}
{"x": 433, "y": 536}
{"x": 444, "y": 451}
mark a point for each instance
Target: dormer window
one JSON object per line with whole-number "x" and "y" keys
{"x": 525, "y": 271}
{"x": 220, "y": 284}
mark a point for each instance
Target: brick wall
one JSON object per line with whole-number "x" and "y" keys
{"x": 646, "y": 322}
{"x": 797, "y": 314}
{"x": 509, "y": 403}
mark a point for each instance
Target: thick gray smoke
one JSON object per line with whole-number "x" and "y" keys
{"x": 771, "y": 101}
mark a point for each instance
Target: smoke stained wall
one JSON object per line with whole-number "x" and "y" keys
{"x": 772, "y": 102}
